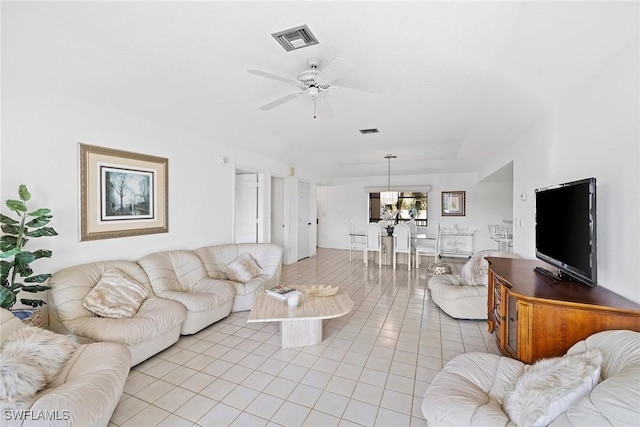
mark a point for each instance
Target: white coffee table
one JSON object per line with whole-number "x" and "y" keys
{"x": 301, "y": 325}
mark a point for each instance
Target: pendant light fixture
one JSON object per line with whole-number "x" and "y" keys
{"x": 389, "y": 197}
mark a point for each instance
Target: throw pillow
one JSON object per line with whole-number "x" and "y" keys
{"x": 31, "y": 358}
{"x": 475, "y": 272}
{"x": 243, "y": 268}
{"x": 115, "y": 295}
{"x": 549, "y": 387}
{"x": 19, "y": 379}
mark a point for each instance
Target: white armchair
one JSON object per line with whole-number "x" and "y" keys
{"x": 86, "y": 390}
{"x": 464, "y": 295}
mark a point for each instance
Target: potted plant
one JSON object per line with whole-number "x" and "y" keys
{"x": 16, "y": 273}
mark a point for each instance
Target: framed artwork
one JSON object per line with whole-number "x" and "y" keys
{"x": 453, "y": 203}
{"x": 122, "y": 193}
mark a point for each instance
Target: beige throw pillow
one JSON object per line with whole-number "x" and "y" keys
{"x": 243, "y": 268}
{"x": 116, "y": 295}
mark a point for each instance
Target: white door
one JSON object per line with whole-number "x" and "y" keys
{"x": 304, "y": 221}
{"x": 246, "y": 209}
{"x": 277, "y": 211}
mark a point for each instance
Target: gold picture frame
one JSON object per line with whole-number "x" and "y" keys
{"x": 453, "y": 203}
{"x": 122, "y": 193}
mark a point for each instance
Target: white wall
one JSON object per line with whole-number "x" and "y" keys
{"x": 593, "y": 131}
{"x": 487, "y": 203}
{"x": 40, "y": 136}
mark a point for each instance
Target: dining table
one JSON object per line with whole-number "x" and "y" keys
{"x": 387, "y": 242}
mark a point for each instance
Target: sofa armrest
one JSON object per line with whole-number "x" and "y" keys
{"x": 445, "y": 279}
{"x": 89, "y": 387}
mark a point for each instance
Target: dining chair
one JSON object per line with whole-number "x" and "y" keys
{"x": 402, "y": 243}
{"x": 429, "y": 248}
{"x": 502, "y": 236}
{"x": 413, "y": 228}
{"x": 356, "y": 242}
{"x": 374, "y": 243}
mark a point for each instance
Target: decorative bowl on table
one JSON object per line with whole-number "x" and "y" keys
{"x": 322, "y": 291}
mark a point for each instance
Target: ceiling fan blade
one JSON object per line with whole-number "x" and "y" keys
{"x": 272, "y": 76}
{"x": 336, "y": 68}
{"x": 281, "y": 101}
{"x": 353, "y": 89}
{"x": 321, "y": 108}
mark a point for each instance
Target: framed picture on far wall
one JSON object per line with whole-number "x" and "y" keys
{"x": 453, "y": 203}
{"x": 121, "y": 193}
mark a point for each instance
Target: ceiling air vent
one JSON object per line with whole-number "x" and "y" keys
{"x": 295, "y": 38}
{"x": 368, "y": 131}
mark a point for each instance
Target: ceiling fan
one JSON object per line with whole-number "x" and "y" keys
{"x": 313, "y": 82}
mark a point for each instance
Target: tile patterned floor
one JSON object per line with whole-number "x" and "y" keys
{"x": 371, "y": 369}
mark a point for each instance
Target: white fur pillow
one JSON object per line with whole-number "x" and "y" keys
{"x": 475, "y": 272}
{"x": 31, "y": 358}
{"x": 116, "y": 295}
{"x": 243, "y": 268}
{"x": 549, "y": 387}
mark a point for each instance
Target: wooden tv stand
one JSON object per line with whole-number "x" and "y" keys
{"x": 534, "y": 317}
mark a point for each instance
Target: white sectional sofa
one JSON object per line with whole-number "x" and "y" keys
{"x": 84, "y": 393}
{"x": 215, "y": 258}
{"x": 188, "y": 291}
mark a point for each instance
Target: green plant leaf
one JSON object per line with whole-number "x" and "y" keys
{"x": 15, "y": 287}
{"x": 25, "y": 257}
{"x": 40, "y": 221}
{"x": 7, "y": 220}
{"x": 42, "y": 253}
{"x": 16, "y": 206}
{"x": 35, "y": 288}
{"x": 32, "y": 302}
{"x": 38, "y": 278}
{"x": 10, "y": 252}
{"x": 8, "y": 242}
{"x": 42, "y": 232}
{"x": 24, "y": 193}
{"x": 7, "y": 298}
{"x": 40, "y": 212}
{"x": 11, "y": 229}
{"x": 21, "y": 263}
{"x": 5, "y": 268}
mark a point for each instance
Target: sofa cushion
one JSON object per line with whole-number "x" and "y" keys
{"x": 156, "y": 316}
{"x": 31, "y": 358}
{"x": 549, "y": 387}
{"x": 243, "y": 268}
{"x": 116, "y": 295}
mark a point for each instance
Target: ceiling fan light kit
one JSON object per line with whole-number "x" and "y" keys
{"x": 315, "y": 82}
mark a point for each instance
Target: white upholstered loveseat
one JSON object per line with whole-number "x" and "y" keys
{"x": 84, "y": 393}
{"x": 472, "y": 388}
{"x": 187, "y": 292}
{"x": 464, "y": 295}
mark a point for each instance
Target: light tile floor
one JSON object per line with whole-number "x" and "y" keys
{"x": 371, "y": 369}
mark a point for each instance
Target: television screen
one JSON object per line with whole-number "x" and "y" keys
{"x": 566, "y": 228}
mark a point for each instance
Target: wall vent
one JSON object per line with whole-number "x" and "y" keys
{"x": 295, "y": 38}
{"x": 368, "y": 131}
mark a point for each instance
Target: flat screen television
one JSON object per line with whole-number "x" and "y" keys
{"x": 566, "y": 230}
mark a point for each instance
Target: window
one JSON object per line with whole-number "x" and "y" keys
{"x": 410, "y": 205}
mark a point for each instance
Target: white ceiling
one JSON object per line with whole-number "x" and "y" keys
{"x": 457, "y": 80}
